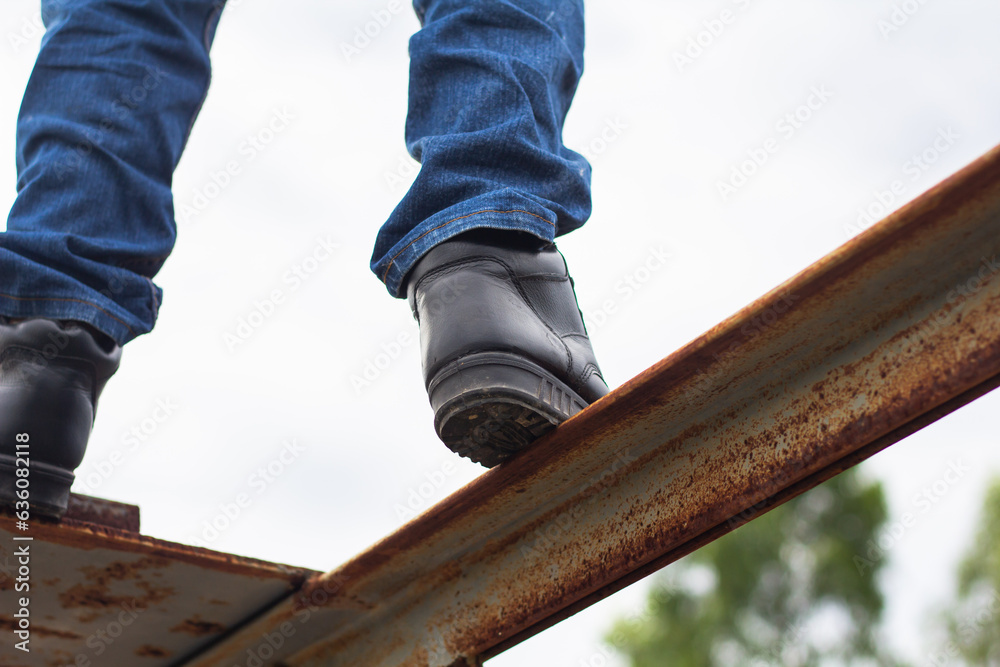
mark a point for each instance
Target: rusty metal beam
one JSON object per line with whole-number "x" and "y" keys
{"x": 889, "y": 332}
{"x": 99, "y": 593}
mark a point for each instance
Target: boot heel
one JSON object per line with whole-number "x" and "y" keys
{"x": 489, "y": 405}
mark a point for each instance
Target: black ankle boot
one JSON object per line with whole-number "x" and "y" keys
{"x": 51, "y": 375}
{"x": 506, "y": 356}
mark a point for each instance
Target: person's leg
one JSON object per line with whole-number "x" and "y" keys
{"x": 113, "y": 95}
{"x": 105, "y": 116}
{"x": 505, "y": 352}
{"x": 491, "y": 82}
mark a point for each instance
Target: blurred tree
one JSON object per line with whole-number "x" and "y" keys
{"x": 794, "y": 587}
{"x": 973, "y": 622}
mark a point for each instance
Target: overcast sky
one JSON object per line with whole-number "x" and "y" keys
{"x": 869, "y": 86}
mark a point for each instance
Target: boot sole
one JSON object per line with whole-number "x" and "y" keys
{"x": 48, "y": 486}
{"x": 488, "y": 406}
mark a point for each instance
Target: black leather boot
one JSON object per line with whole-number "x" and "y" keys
{"x": 51, "y": 375}
{"x": 506, "y": 356}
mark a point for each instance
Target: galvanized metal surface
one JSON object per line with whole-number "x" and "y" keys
{"x": 100, "y": 595}
{"x": 892, "y": 330}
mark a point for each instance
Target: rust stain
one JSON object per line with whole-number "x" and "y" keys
{"x": 198, "y": 627}
{"x": 149, "y": 651}
{"x": 96, "y": 593}
{"x": 10, "y": 624}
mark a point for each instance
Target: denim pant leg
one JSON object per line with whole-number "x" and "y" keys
{"x": 491, "y": 82}
{"x": 105, "y": 116}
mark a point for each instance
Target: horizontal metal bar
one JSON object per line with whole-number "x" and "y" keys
{"x": 88, "y": 578}
{"x": 890, "y": 331}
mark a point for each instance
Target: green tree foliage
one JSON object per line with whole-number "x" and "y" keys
{"x": 974, "y": 621}
{"x": 796, "y": 586}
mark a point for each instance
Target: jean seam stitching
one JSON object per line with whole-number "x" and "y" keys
{"x": 92, "y": 305}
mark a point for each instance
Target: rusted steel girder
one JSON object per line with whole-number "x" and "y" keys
{"x": 891, "y": 331}
{"x": 90, "y": 591}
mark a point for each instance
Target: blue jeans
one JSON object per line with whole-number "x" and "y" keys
{"x": 117, "y": 87}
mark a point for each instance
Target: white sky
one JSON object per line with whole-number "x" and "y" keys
{"x": 677, "y": 132}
